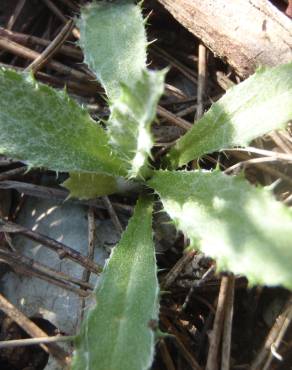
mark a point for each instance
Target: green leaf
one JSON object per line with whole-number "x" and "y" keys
{"x": 130, "y": 121}
{"x": 90, "y": 185}
{"x": 114, "y": 42}
{"x": 258, "y": 105}
{"x": 242, "y": 226}
{"x": 46, "y": 128}
{"x": 84, "y": 185}
{"x": 116, "y": 333}
{"x": 113, "y": 39}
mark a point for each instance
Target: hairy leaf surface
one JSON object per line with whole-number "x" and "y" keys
{"x": 84, "y": 185}
{"x": 131, "y": 118}
{"x": 114, "y": 43}
{"x": 46, "y": 128}
{"x": 116, "y": 333}
{"x": 242, "y": 226}
{"x": 90, "y": 185}
{"x": 258, "y": 105}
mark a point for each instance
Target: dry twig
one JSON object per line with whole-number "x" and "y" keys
{"x": 51, "y": 49}
{"x": 28, "y": 40}
{"x": 177, "y": 269}
{"x": 62, "y": 250}
{"x": 33, "y": 341}
{"x": 166, "y": 355}
{"x": 27, "y": 53}
{"x": 187, "y": 354}
{"x": 172, "y": 118}
{"x": 274, "y": 339}
{"x": 202, "y": 78}
{"x": 112, "y": 214}
{"x": 46, "y": 192}
{"x": 14, "y": 16}
{"x": 33, "y": 330}
{"x": 11, "y": 173}
{"x": 227, "y": 329}
{"x": 60, "y": 15}
{"x": 215, "y": 336}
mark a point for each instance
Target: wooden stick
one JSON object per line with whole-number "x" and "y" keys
{"x": 91, "y": 241}
{"x": 11, "y": 173}
{"x": 177, "y": 269}
{"x": 186, "y": 353}
{"x": 215, "y": 338}
{"x": 32, "y": 329}
{"x": 113, "y": 215}
{"x": 245, "y": 33}
{"x": 202, "y": 77}
{"x": 90, "y": 255}
{"x": 15, "y": 14}
{"x": 45, "y": 192}
{"x": 60, "y": 15}
{"x": 227, "y": 329}
{"x": 166, "y": 358}
{"x": 172, "y": 118}
{"x": 29, "y": 40}
{"x": 62, "y": 250}
{"x": 186, "y": 71}
{"x": 27, "y": 53}
{"x": 86, "y": 88}
{"x": 51, "y": 49}
{"x": 33, "y": 341}
{"x": 28, "y": 266}
{"x": 274, "y": 338}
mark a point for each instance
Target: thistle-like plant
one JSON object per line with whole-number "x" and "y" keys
{"x": 240, "y": 225}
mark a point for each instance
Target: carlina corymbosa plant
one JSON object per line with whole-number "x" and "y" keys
{"x": 225, "y": 217}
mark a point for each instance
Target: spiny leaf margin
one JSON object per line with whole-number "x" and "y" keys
{"x": 258, "y": 105}
{"x": 243, "y": 227}
{"x": 46, "y": 128}
{"x": 90, "y": 185}
{"x": 113, "y": 38}
{"x": 86, "y": 185}
{"x": 132, "y": 114}
{"x": 127, "y": 300}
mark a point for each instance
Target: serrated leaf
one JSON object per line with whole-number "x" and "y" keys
{"x": 242, "y": 226}
{"x": 113, "y": 39}
{"x": 131, "y": 117}
{"x": 83, "y": 185}
{"x": 46, "y": 128}
{"x": 90, "y": 185}
{"x": 115, "y": 32}
{"x": 258, "y": 105}
{"x": 116, "y": 333}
